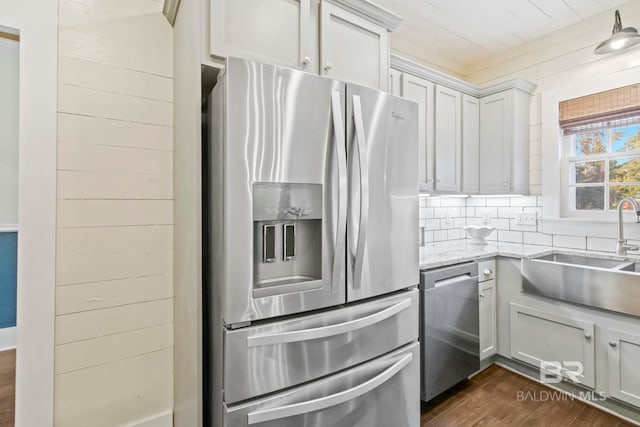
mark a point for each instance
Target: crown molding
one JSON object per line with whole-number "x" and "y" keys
{"x": 170, "y": 10}
{"x": 370, "y": 12}
{"x": 406, "y": 66}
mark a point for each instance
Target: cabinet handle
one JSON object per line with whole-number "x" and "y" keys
{"x": 613, "y": 343}
{"x": 487, "y": 272}
{"x": 481, "y": 295}
{"x": 587, "y": 335}
{"x": 328, "y": 66}
{"x": 306, "y": 60}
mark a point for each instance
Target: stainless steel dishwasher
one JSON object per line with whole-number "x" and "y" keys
{"x": 449, "y": 327}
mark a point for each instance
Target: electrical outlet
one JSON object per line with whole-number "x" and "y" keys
{"x": 526, "y": 218}
{"x": 447, "y": 219}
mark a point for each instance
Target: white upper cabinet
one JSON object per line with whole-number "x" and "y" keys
{"x": 448, "y": 139}
{"x": 422, "y": 92}
{"x": 395, "y": 82}
{"x": 504, "y": 143}
{"x": 274, "y": 31}
{"x": 352, "y": 48}
{"x": 470, "y": 144}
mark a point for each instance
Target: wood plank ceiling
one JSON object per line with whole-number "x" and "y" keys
{"x": 453, "y": 34}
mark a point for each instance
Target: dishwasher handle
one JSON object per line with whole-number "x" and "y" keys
{"x": 430, "y": 279}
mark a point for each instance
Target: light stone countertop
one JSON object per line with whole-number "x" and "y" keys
{"x": 452, "y": 252}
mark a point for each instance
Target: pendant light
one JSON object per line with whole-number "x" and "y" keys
{"x": 621, "y": 38}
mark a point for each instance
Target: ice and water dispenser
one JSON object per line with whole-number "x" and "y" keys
{"x": 287, "y": 236}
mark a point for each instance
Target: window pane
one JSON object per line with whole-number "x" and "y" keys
{"x": 589, "y": 198}
{"x": 590, "y": 143}
{"x": 619, "y": 192}
{"x": 588, "y": 172}
{"x": 625, "y": 138}
{"x": 624, "y": 170}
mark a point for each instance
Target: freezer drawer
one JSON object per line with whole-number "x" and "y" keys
{"x": 383, "y": 392}
{"x": 268, "y": 358}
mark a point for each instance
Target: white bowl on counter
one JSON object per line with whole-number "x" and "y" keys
{"x": 478, "y": 233}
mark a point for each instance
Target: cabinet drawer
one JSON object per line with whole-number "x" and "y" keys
{"x": 263, "y": 359}
{"x": 383, "y": 392}
{"x": 537, "y": 336}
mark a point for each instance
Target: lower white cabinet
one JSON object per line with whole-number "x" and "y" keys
{"x": 488, "y": 323}
{"x": 539, "y": 338}
{"x": 624, "y": 366}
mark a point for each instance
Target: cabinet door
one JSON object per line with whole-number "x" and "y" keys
{"x": 422, "y": 92}
{"x": 624, "y": 366}
{"x": 537, "y": 337}
{"x": 496, "y": 139}
{"x": 273, "y": 31}
{"x": 488, "y": 329}
{"x": 470, "y": 144}
{"x": 448, "y": 140}
{"x": 353, "y": 49}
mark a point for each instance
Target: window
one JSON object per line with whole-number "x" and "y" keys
{"x": 603, "y": 164}
{"x": 601, "y": 150}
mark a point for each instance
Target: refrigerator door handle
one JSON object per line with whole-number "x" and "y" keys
{"x": 361, "y": 144}
{"x": 325, "y": 402}
{"x": 328, "y": 331}
{"x": 341, "y": 151}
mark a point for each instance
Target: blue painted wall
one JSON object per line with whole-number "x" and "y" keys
{"x": 8, "y": 278}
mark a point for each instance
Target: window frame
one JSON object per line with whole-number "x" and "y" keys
{"x": 569, "y": 158}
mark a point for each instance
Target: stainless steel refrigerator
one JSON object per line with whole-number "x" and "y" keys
{"x": 312, "y": 252}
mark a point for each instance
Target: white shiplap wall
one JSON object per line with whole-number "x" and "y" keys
{"x": 114, "y": 279}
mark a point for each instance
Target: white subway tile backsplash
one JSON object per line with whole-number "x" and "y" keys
{"x": 498, "y": 201}
{"x": 510, "y": 236}
{"x": 455, "y": 234}
{"x": 433, "y": 202}
{"x": 476, "y": 201}
{"x": 432, "y": 224}
{"x": 440, "y": 235}
{"x": 538, "y": 239}
{"x": 444, "y": 218}
{"x": 508, "y": 212}
{"x": 573, "y": 242}
{"x": 517, "y": 227}
{"x": 524, "y": 201}
{"x": 600, "y": 244}
{"x": 491, "y": 212}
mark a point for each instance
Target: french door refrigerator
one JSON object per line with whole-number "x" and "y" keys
{"x": 311, "y": 252}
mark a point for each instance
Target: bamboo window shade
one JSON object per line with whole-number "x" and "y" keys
{"x": 611, "y": 105}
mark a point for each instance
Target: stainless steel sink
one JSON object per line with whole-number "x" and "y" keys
{"x": 585, "y": 260}
{"x": 606, "y": 283}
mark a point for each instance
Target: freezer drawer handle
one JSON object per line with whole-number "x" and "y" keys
{"x": 339, "y": 250}
{"x": 328, "y": 331}
{"x": 331, "y": 400}
{"x": 361, "y": 145}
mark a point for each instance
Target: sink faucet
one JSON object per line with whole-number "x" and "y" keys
{"x": 622, "y": 246}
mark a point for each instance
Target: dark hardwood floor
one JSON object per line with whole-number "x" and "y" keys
{"x": 7, "y": 387}
{"x": 491, "y": 399}
{"x": 488, "y": 399}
